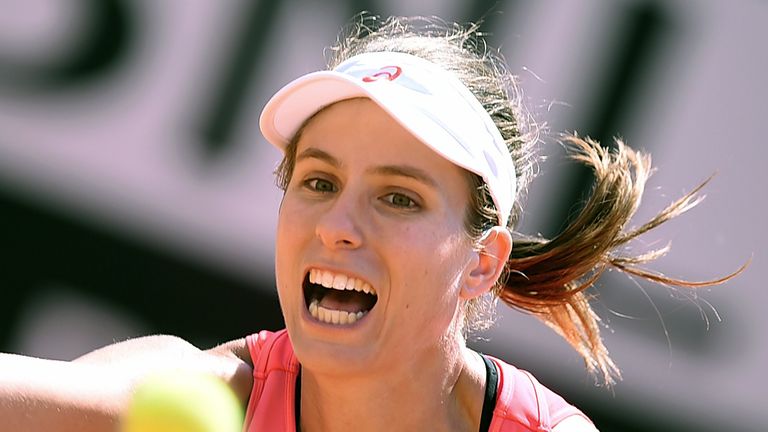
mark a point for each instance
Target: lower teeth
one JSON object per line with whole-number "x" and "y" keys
{"x": 332, "y": 316}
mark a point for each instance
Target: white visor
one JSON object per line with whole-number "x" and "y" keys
{"x": 428, "y": 101}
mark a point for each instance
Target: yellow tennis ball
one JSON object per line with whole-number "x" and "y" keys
{"x": 183, "y": 402}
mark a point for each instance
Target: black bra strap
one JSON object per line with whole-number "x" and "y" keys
{"x": 297, "y": 402}
{"x": 489, "y": 401}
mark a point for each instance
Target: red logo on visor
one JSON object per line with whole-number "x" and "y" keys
{"x": 387, "y": 72}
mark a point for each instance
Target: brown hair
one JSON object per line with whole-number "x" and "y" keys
{"x": 546, "y": 278}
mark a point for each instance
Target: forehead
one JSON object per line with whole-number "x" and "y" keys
{"x": 359, "y": 116}
{"x": 359, "y": 126}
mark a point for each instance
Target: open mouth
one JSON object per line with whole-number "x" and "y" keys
{"x": 336, "y": 298}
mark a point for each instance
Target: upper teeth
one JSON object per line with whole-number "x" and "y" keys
{"x": 339, "y": 281}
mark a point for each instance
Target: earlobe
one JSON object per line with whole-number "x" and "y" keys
{"x": 495, "y": 246}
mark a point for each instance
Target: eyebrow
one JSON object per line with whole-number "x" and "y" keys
{"x": 316, "y": 153}
{"x": 406, "y": 171}
{"x": 384, "y": 170}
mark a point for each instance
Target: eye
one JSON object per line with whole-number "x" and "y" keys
{"x": 400, "y": 201}
{"x": 320, "y": 185}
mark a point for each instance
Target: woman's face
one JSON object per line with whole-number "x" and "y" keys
{"x": 378, "y": 215}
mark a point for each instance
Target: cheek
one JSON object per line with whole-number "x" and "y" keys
{"x": 291, "y": 222}
{"x": 289, "y": 238}
{"x": 429, "y": 268}
{"x": 283, "y": 239}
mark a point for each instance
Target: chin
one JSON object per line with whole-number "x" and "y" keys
{"x": 334, "y": 357}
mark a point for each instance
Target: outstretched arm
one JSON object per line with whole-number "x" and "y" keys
{"x": 89, "y": 393}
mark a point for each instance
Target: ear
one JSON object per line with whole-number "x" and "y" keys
{"x": 488, "y": 264}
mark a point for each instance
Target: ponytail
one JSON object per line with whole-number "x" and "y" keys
{"x": 548, "y": 278}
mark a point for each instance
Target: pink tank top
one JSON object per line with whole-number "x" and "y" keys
{"x": 522, "y": 403}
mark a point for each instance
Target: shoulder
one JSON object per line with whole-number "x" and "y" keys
{"x": 234, "y": 366}
{"x": 523, "y": 400}
{"x": 234, "y": 349}
{"x": 255, "y": 355}
{"x": 264, "y": 349}
{"x": 248, "y": 347}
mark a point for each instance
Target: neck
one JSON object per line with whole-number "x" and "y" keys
{"x": 441, "y": 389}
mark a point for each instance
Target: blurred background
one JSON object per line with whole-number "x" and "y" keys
{"x": 136, "y": 194}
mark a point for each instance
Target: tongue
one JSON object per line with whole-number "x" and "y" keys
{"x": 349, "y": 301}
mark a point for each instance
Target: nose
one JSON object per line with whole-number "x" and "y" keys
{"x": 337, "y": 228}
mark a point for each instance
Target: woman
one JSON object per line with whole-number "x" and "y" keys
{"x": 402, "y": 174}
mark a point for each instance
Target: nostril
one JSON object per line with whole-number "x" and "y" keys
{"x": 339, "y": 236}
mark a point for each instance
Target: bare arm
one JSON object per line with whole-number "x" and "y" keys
{"x": 38, "y": 395}
{"x": 89, "y": 393}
